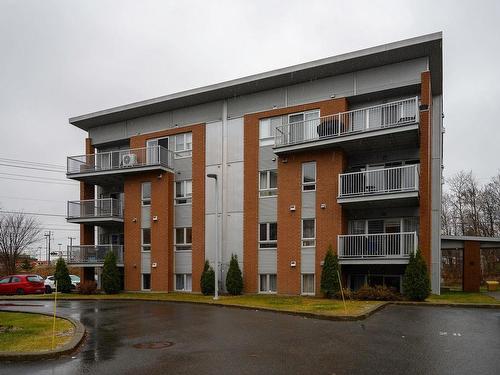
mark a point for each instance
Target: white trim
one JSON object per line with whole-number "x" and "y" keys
{"x": 185, "y": 197}
{"x": 142, "y": 281}
{"x": 302, "y": 239}
{"x": 185, "y": 275}
{"x": 302, "y": 284}
{"x": 268, "y": 183}
{"x": 268, "y": 277}
{"x": 189, "y": 151}
{"x": 304, "y": 184}
{"x": 183, "y": 244}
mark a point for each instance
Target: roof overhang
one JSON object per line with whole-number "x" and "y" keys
{"x": 423, "y": 46}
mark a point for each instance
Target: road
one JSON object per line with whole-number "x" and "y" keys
{"x": 218, "y": 340}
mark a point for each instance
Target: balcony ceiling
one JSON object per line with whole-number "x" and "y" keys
{"x": 423, "y": 46}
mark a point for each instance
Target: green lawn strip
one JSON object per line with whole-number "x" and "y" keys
{"x": 20, "y": 332}
{"x": 296, "y": 304}
{"x": 463, "y": 297}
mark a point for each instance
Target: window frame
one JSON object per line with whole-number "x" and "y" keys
{"x": 142, "y": 281}
{"x": 183, "y": 244}
{"x": 268, "y": 283}
{"x": 185, "y": 152}
{"x": 268, "y": 240}
{"x": 145, "y": 247}
{"x": 302, "y": 292}
{"x": 184, "y": 281}
{"x": 145, "y": 201}
{"x": 268, "y": 139}
{"x": 305, "y": 240}
{"x": 188, "y": 196}
{"x": 273, "y": 192}
{"x": 305, "y": 185}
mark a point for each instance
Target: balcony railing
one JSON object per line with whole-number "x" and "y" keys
{"x": 95, "y": 208}
{"x": 120, "y": 159}
{"x": 379, "y": 181}
{"x": 389, "y": 115}
{"x": 93, "y": 254}
{"x": 381, "y": 245}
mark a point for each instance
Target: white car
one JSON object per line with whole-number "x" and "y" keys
{"x": 50, "y": 283}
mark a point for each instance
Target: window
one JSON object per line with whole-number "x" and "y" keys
{"x": 146, "y": 281}
{"x": 267, "y": 283}
{"x": 308, "y": 232}
{"x": 303, "y": 126}
{"x": 309, "y": 176}
{"x": 183, "y": 282}
{"x": 15, "y": 280}
{"x": 5, "y": 280}
{"x": 267, "y": 130}
{"x": 268, "y": 235}
{"x": 155, "y": 150}
{"x": 268, "y": 183}
{"x": 183, "y": 145}
{"x": 146, "y": 194}
{"x": 183, "y": 192}
{"x": 308, "y": 283}
{"x": 146, "y": 239}
{"x": 183, "y": 239}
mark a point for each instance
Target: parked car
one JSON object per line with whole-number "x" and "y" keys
{"x": 22, "y": 284}
{"x": 50, "y": 283}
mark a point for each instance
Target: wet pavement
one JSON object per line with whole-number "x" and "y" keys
{"x": 172, "y": 338}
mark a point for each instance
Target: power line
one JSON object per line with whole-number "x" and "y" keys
{"x": 31, "y": 176}
{"x": 31, "y": 199}
{"x": 43, "y": 182}
{"x": 32, "y": 162}
{"x": 31, "y": 213}
{"x": 26, "y": 167}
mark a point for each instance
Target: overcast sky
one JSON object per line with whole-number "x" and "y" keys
{"x": 65, "y": 58}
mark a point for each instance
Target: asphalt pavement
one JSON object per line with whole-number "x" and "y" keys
{"x": 174, "y": 338}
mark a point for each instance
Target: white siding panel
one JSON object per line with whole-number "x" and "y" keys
{"x": 267, "y": 261}
{"x": 234, "y": 184}
{"x": 213, "y": 143}
{"x": 146, "y": 217}
{"x": 146, "y": 262}
{"x": 307, "y": 260}
{"x": 235, "y": 140}
{"x": 183, "y": 262}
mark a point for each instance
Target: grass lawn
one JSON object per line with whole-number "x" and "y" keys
{"x": 298, "y": 304}
{"x": 20, "y": 332}
{"x": 463, "y": 297}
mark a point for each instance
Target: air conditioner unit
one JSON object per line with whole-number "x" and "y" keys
{"x": 129, "y": 160}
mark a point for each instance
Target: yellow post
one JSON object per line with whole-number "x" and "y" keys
{"x": 54, "y": 322}
{"x": 342, "y": 291}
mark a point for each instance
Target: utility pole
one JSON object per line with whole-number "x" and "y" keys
{"x": 47, "y": 236}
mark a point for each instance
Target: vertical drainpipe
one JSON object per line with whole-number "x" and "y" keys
{"x": 223, "y": 188}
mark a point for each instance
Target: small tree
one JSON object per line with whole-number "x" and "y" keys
{"x": 207, "y": 280}
{"x": 110, "y": 274}
{"x": 61, "y": 276}
{"x": 416, "y": 282}
{"x": 329, "y": 274}
{"x": 234, "y": 279}
{"x": 26, "y": 264}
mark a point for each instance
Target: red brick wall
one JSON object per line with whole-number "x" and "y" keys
{"x": 87, "y": 191}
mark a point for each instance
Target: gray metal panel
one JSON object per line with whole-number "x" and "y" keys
{"x": 321, "y": 89}
{"x": 307, "y": 260}
{"x": 268, "y": 261}
{"x": 308, "y": 204}
{"x": 234, "y": 184}
{"x": 210, "y": 238}
{"x": 234, "y": 237}
{"x": 183, "y": 262}
{"x": 183, "y": 169}
{"x": 210, "y": 190}
{"x": 108, "y": 133}
{"x": 146, "y": 217}
{"x": 149, "y": 124}
{"x": 268, "y": 210}
{"x": 198, "y": 114}
{"x": 183, "y": 215}
{"x": 390, "y": 76}
{"x": 266, "y": 156}
{"x": 235, "y": 140}
{"x": 213, "y": 143}
{"x": 260, "y": 101}
{"x": 145, "y": 262}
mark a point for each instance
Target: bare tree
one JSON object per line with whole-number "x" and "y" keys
{"x": 17, "y": 232}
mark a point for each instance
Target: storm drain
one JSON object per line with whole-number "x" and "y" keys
{"x": 154, "y": 345}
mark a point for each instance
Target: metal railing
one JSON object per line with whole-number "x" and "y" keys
{"x": 398, "y": 113}
{"x": 379, "y": 181}
{"x": 380, "y": 245}
{"x": 95, "y": 208}
{"x": 120, "y": 159}
{"x": 93, "y": 254}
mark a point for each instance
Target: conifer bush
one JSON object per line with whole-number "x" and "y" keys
{"x": 416, "y": 282}
{"x": 330, "y": 285}
{"x": 207, "y": 280}
{"x": 234, "y": 278}
{"x": 61, "y": 276}
{"x": 110, "y": 274}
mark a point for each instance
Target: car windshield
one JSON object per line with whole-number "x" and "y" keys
{"x": 75, "y": 278}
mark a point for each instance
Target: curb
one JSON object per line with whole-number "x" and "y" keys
{"x": 68, "y": 348}
{"x": 448, "y": 304}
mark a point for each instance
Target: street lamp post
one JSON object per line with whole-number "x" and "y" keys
{"x": 214, "y": 176}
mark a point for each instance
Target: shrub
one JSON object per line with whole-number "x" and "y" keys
{"x": 61, "y": 276}
{"x": 330, "y": 284}
{"x": 110, "y": 274}
{"x": 26, "y": 265}
{"x": 207, "y": 280}
{"x": 416, "y": 282}
{"x": 376, "y": 293}
{"x": 234, "y": 279}
{"x": 88, "y": 287}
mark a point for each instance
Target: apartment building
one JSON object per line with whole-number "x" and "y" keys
{"x": 343, "y": 152}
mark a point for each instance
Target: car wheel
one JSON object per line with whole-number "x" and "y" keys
{"x": 48, "y": 289}
{"x": 20, "y": 291}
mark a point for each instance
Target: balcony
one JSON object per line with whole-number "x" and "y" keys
{"x": 380, "y": 248}
{"x": 399, "y": 183}
{"x": 371, "y": 122}
{"x": 93, "y": 255}
{"x": 110, "y": 166}
{"x": 95, "y": 211}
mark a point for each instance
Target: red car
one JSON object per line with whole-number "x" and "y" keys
{"x": 22, "y": 284}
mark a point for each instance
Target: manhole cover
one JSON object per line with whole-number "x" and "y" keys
{"x": 154, "y": 345}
